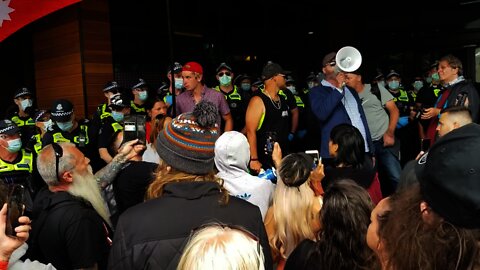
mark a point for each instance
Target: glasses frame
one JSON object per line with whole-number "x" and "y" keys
{"x": 58, "y": 154}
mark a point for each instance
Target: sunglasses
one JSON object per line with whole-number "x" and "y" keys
{"x": 231, "y": 226}
{"x": 224, "y": 73}
{"x": 332, "y": 64}
{"x": 58, "y": 154}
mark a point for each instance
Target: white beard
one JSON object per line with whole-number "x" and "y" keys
{"x": 86, "y": 187}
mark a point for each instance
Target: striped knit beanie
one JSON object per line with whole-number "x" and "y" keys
{"x": 188, "y": 142}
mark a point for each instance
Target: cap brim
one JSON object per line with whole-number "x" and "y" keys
{"x": 11, "y": 131}
{"x": 61, "y": 118}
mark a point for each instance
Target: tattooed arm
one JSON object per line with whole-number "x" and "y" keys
{"x": 106, "y": 175}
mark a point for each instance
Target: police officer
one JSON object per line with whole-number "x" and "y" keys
{"x": 67, "y": 129}
{"x": 16, "y": 164}
{"x": 43, "y": 124}
{"x": 234, "y": 98}
{"x": 103, "y": 111}
{"x": 112, "y": 125}
{"x": 22, "y": 114}
{"x": 299, "y": 143}
{"x": 140, "y": 97}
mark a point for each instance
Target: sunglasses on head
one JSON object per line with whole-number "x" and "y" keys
{"x": 332, "y": 64}
{"x": 58, "y": 154}
{"x": 228, "y": 73}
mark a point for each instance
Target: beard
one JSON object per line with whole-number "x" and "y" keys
{"x": 85, "y": 186}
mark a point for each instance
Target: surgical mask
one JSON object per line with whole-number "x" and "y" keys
{"x": 393, "y": 84}
{"x": 292, "y": 89}
{"x": 225, "y": 80}
{"x": 418, "y": 85}
{"x": 26, "y": 103}
{"x": 47, "y": 125}
{"x": 117, "y": 116}
{"x": 311, "y": 84}
{"x": 65, "y": 126}
{"x": 14, "y": 145}
{"x": 143, "y": 95}
{"x": 169, "y": 99}
{"x": 382, "y": 83}
{"x": 178, "y": 83}
{"x": 428, "y": 80}
{"x": 435, "y": 76}
{"x": 245, "y": 86}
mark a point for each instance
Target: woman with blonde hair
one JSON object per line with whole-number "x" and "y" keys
{"x": 221, "y": 247}
{"x": 293, "y": 216}
{"x": 184, "y": 195}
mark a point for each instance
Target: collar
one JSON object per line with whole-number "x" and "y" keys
{"x": 191, "y": 190}
{"x": 327, "y": 83}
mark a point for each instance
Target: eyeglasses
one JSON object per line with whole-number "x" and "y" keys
{"x": 284, "y": 76}
{"x": 332, "y": 64}
{"x": 58, "y": 154}
{"x": 224, "y": 73}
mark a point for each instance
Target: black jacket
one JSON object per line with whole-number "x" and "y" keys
{"x": 152, "y": 235}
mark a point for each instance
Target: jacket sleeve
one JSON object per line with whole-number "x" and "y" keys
{"x": 324, "y": 100}
{"x": 473, "y": 102}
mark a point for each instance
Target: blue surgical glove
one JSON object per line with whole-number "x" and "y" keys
{"x": 290, "y": 137}
{"x": 402, "y": 121}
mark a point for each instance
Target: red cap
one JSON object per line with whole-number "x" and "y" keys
{"x": 193, "y": 67}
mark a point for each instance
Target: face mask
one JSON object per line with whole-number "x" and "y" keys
{"x": 225, "y": 80}
{"x": 143, "y": 95}
{"x": 382, "y": 83}
{"x": 245, "y": 86}
{"x": 26, "y": 103}
{"x": 435, "y": 76}
{"x": 178, "y": 83}
{"x": 311, "y": 84}
{"x": 418, "y": 85}
{"x": 393, "y": 84}
{"x": 47, "y": 125}
{"x": 292, "y": 89}
{"x": 117, "y": 116}
{"x": 65, "y": 126}
{"x": 14, "y": 145}
{"x": 428, "y": 80}
{"x": 169, "y": 99}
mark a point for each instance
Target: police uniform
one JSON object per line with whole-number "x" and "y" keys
{"x": 237, "y": 105}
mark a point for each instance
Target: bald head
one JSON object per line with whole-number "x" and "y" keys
{"x": 453, "y": 118}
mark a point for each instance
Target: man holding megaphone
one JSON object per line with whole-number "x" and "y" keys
{"x": 333, "y": 103}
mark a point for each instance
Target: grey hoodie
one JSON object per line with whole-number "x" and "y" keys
{"x": 232, "y": 154}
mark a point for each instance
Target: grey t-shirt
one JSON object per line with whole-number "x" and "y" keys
{"x": 377, "y": 117}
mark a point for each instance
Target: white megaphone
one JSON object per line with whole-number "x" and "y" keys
{"x": 348, "y": 59}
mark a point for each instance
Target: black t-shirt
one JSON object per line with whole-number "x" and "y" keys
{"x": 132, "y": 182}
{"x": 299, "y": 256}
{"x": 73, "y": 235}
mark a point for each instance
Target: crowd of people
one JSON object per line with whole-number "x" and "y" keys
{"x": 193, "y": 177}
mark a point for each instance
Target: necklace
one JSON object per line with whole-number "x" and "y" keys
{"x": 276, "y": 104}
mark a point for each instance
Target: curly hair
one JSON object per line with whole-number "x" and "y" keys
{"x": 413, "y": 244}
{"x": 345, "y": 217}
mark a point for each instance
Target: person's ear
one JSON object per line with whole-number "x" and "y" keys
{"x": 67, "y": 177}
{"x": 335, "y": 147}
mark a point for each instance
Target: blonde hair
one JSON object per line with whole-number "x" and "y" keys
{"x": 220, "y": 247}
{"x": 293, "y": 216}
{"x": 166, "y": 174}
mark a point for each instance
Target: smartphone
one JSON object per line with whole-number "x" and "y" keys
{"x": 15, "y": 208}
{"x": 425, "y": 144}
{"x": 317, "y": 159}
{"x": 270, "y": 143}
{"x": 134, "y": 128}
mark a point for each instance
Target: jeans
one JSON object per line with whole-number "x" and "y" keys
{"x": 388, "y": 165}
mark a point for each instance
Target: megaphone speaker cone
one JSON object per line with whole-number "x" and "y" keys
{"x": 348, "y": 59}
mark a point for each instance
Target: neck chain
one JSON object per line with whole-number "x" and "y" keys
{"x": 276, "y": 104}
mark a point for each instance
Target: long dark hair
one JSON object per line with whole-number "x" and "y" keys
{"x": 411, "y": 243}
{"x": 351, "y": 146}
{"x": 345, "y": 217}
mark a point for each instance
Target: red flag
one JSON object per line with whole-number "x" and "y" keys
{"x": 15, "y": 14}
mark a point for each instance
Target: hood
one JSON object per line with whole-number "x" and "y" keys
{"x": 232, "y": 153}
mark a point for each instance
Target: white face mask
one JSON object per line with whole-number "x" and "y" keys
{"x": 26, "y": 103}
{"x": 47, "y": 125}
{"x": 292, "y": 89}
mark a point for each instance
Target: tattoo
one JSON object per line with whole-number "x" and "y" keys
{"x": 108, "y": 173}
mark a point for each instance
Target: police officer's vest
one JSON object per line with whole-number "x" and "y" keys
{"x": 38, "y": 143}
{"x": 231, "y": 97}
{"x": 23, "y": 167}
{"x": 403, "y": 96}
{"x": 102, "y": 111}
{"x": 20, "y": 123}
{"x": 80, "y": 140}
{"x": 136, "y": 108}
{"x": 299, "y": 102}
